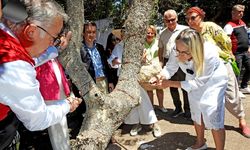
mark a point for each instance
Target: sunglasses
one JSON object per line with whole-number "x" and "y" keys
{"x": 170, "y": 20}
{"x": 192, "y": 18}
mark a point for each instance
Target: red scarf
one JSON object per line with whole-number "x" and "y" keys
{"x": 11, "y": 50}
{"x": 49, "y": 86}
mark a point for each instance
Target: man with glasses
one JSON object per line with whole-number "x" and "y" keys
{"x": 237, "y": 30}
{"x": 19, "y": 91}
{"x": 166, "y": 44}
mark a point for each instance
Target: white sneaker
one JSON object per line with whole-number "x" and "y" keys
{"x": 241, "y": 95}
{"x": 245, "y": 90}
{"x": 135, "y": 129}
{"x": 156, "y": 131}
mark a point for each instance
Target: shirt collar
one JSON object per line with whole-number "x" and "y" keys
{"x": 7, "y": 30}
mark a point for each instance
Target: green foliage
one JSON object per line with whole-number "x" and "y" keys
{"x": 100, "y": 9}
{"x": 218, "y": 11}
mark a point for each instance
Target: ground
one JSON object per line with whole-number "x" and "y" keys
{"x": 178, "y": 133}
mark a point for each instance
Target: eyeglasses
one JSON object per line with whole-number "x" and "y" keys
{"x": 178, "y": 52}
{"x": 56, "y": 40}
{"x": 192, "y": 18}
{"x": 170, "y": 20}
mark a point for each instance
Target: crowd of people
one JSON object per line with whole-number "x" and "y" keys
{"x": 202, "y": 59}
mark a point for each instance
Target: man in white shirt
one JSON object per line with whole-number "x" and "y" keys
{"x": 19, "y": 91}
{"x": 166, "y": 44}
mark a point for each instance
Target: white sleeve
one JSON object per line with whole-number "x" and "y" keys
{"x": 20, "y": 91}
{"x": 228, "y": 29}
{"x": 49, "y": 54}
{"x": 110, "y": 59}
{"x": 171, "y": 66}
{"x": 116, "y": 53}
{"x": 211, "y": 62}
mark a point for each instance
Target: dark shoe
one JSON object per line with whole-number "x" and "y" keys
{"x": 245, "y": 131}
{"x": 177, "y": 113}
{"x": 162, "y": 109}
{"x": 187, "y": 115}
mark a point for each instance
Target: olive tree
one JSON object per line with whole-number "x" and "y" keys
{"x": 106, "y": 112}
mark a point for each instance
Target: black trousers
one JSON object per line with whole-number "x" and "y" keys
{"x": 178, "y": 76}
{"x": 243, "y": 60}
{"x": 9, "y": 136}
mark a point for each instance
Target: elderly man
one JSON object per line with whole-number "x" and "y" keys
{"x": 19, "y": 91}
{"x": 166, "y": 43}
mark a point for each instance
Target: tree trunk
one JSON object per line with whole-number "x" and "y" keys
{"x": 106, "y": 112}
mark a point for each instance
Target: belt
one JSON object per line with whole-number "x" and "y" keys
{"x": 98, "y": 79}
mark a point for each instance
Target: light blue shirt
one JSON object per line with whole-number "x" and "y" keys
{"x": 96, "y": 59}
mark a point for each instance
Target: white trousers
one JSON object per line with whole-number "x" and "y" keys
{"x": 144, "y": 113}
{"x": 58, "y": 133}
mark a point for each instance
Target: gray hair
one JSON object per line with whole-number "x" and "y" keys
{"x": 170, "y": 11}
{"x": 42, "y": 11}
{"x": 237, "y": 7}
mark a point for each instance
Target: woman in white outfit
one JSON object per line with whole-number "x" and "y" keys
{"x": 206, "y": 82}
{"x": 142, "y": 114}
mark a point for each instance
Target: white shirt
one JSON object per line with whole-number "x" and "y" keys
{"x": 20, "y": 91}
{"x": 117, "y": 53}
{"x": 192, "y": 82}
{"x": 165, "y": 39}
{"x": 206, "y": 92}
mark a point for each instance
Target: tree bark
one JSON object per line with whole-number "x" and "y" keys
{"x": 106, "y": 112}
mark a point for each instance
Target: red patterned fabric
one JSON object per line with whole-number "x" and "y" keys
{"x": 11, "y": 50}
{"x": 49, "y": 86}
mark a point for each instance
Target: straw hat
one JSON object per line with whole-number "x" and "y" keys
{"x": 117, "y": 33}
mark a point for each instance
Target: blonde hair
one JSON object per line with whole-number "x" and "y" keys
{"x": 194, "y": 42}
{"x": 153, "y": 29}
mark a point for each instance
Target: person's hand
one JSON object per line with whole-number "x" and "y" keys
{"x": 154, "y": 80}
{"x": 74, "y": 102}
{"x": 65, "y": 40}
{"x": 144, "y": 56}
{"x": 116, "y": 61}
{"x": 111, "y": 87}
